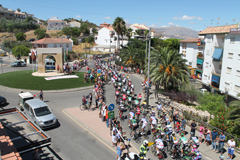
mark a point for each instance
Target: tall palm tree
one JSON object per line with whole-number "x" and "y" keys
{"x": 167, "y": 68}
{"x": 119, "y": 26}
{"x": 129, "y": 33}
{"x": 138, "y": 32}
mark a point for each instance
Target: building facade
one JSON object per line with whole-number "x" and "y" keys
{"x": 221, "y": 65}
{"x": 64, "y": 43}
{"x": 56, "y": 24}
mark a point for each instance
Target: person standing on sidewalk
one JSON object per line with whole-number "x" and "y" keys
{"x": 183, "y": 125}
{"x": 201, "y": 128}
{"x": 205, "y": 134}
{"x": 214, "y": 136}
{"x": 41, "y": 95}
{"x": 231, "y": 146}
{"x": 193, "y": 127}
{"x": 120, "y": 147}
{"x": 106, "y": 117}
{"x": 222, "y": 138}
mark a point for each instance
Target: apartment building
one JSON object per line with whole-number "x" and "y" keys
{"x": 56, "y": 24}
{"x": 221, "y": 65}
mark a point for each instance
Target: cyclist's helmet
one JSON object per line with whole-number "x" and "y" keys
{"x": 145, "y": 142}
{"x": 173, "y": 133}
{"x": 182, "y": 134}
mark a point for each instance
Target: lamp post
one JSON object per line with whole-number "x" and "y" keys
{"x": 149, "y": 50}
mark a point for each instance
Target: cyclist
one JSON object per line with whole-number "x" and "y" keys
{"x": 159, "y": 144}
{"x": 139, "y": 97}
{"x": 138, "y": 112}
{"x": 144, "y": 124}
{"x": 195, "y": 152}
{"x": 174, "y": 141}
{"x": 183, "y": 143}
{"x": 84, "y": 101}
{"x": 153, "y": 121}
{"x": 133, "y": 125}
{"x": 131, "y": 114}
{"x": 124, "y": 97}
{"x": 193, "y": 139}
{"x": 143, "y": 149}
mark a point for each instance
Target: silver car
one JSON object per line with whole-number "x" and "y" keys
{"x": 39, "y": 112}
{"x": 18, "y": 64}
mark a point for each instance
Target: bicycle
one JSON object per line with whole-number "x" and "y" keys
{"x": 160, "y": 155}
{"x": 83, "y": 106}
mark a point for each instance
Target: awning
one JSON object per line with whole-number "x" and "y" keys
{"x": 217, "y": 53}
{"x": 200, "y": 61}
{"x": 198, "y": 70}
{"x": 215, "y": 78}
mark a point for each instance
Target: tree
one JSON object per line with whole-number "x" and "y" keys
{"x": 119, "y": 26}
{"x": 40, "y": 33}
{"x": 129, "y": 33}
{"x": 171, "y": 43}
{"x": 168, "y": 68}
{"x": 139, "y": 32}
{"x": 75, "y": 41}
{"x": 19, "y": 51}
{"x": 84, "y": 29}
{"x": 19, "y": 10}
{"x": 20, "y": 36}
{"x": 94, "y": 31}
{"x": 146, "y": 32}
{"x": 90, "y": 39}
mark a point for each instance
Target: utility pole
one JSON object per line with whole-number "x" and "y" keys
{"x": 146, "y": 52}
{"x": 149, "y": 50}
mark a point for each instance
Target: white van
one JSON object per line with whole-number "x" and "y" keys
{"x": 38, "y": 112}
{"x": 49, "y": 64}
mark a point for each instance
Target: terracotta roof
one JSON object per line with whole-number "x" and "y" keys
{"x": 52, "y": 40}
{"x": 138, "y": 27}
{"x": 55, "y": 20}
{"x": 218, "y": 29}
{"x": 110, "y": 28}
{"x": 192, "y": 40}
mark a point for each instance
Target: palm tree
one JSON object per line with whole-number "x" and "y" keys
{"x": 119, "y": 26}
{"x": 167, "y": 68}
{"x": 138, "y": 32}
{"x": 129, "y": 33}
{"x": 146, "y": 32}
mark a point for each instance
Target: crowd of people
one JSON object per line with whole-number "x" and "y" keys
{"x": 143, "y": 118}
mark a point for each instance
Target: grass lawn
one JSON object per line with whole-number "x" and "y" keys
{"x": 25, "y": 80}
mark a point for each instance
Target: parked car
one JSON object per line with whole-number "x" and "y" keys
{"x": 3, "y": 100}
{"x": 18, "y": 64}
{"x": 203, "y": 90}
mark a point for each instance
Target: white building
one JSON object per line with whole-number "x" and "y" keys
{"x": 74, "y": 24}
{"x": 221, "y": 67}
{"x": 193, "y": 53}
{"x": 56, "y": 24}
{"x": 106, "y": 39}
{"x": 142, "y": 28}
{"x": 65, "y": 43}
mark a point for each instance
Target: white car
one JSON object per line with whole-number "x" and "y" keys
{"x": 18, "y": 64}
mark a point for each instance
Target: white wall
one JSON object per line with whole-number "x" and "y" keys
{"x": 191, "y": 53}
{"x": 65, "y": 48}
{"x": 207, "y": 64}
{"x": 103, "y": 37}
{"x": 228, "y": 81}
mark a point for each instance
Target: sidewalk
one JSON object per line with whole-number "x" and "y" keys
{"x": 91, "y": 122}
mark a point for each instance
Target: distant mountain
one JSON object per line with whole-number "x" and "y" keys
{"x": 176, "y": 32}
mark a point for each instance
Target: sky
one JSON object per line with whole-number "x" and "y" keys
{"x": 196, "y": 15}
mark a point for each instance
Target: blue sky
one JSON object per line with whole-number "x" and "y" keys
{"x": 193, "y": 14}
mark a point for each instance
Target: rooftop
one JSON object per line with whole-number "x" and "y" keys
{"x": 52, "y": 40}
{"x": 192, "y": 40}
{"x": 218, "y": 29}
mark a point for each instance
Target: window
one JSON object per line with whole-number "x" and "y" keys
{"x": 67, "y": 45}
{"x": 95, "y": 38}
{"x": 205, "y": 77}
{"x": 238, "y": 73}
{"x": 229, "y": 70}
{"x": 190, "y": 63}
{"x": 232, "y": 39}
{"x": 26, "y": 106}
{"x": 238, "y": 56}
{"x": 55, "y": 45}
{"x": 230, "y": 55}
{"x": 227, "y": 84}
{"x": 184, "y": 45}
{"x": 237, "y": 88}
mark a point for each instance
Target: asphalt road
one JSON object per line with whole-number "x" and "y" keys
{"x": 70, "y": 141}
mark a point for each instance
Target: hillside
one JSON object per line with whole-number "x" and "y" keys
{"x": 176, "y": 32}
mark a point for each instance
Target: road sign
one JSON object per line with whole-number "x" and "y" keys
{"x": 111, "y": 107}
{"x": 111, "y": 114}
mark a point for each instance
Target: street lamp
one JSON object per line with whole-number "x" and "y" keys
{"x": 149, "y": 50}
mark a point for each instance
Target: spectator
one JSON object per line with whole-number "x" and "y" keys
{"x": 159, "y": 108}
{"x": 208, "y": 138}
{"x": 222, "y": 138}
{"x": 201, "y": 129}
{"x": 120, "y": 147}
{"x": 205, "y": 133}
{"x": 171, "y": 114}
{"x": 114, "y": 139}
{"x": 214, "y": 136}
{"x": 231, "y": 146}
{"x": 193, "y": 127}
{"x": 41, "y": 95}
{"x": 106, "y": 117}
{"x": 175, "y": 118}
{"x": 183, "y": 125}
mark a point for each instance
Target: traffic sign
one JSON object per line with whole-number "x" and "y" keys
{"x": 111, "y": 114}
{"x": 111, "y": 107}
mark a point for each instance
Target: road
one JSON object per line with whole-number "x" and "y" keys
{"x": 70, "y": 141}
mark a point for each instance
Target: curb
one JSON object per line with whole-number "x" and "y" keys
{"x": 87, "y": 128}
{"x": 45, "y": 91}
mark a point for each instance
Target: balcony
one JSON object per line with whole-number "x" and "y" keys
{"x": 234, "y": 30}
{"x": 215, "y": 81}
{"x": 201, "y": 43}
{"x": 200, "y": 55}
